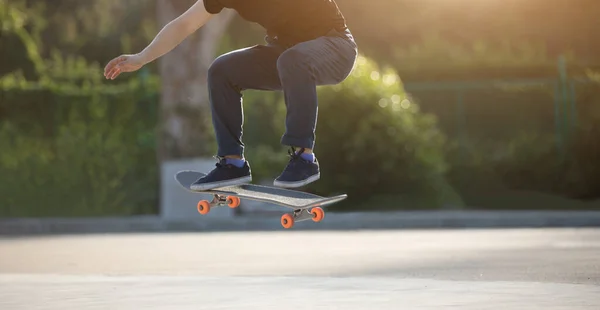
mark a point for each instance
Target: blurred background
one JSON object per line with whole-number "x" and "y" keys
{"x": 455, "y": 104}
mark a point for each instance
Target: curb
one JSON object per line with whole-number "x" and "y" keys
{"x": 332, "y": 221}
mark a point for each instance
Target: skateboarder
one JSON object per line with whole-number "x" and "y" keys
{"x": 308, "y": 44}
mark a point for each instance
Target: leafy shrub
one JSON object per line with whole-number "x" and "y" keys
{"x": 72, "y": 151}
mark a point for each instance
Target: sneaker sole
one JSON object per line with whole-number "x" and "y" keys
{"x": 297, "y": 184}
{"x": 233, "y": 182}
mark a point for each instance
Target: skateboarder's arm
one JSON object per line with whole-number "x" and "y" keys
{"x": 176, "y": 31}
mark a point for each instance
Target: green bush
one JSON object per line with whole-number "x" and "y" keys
{"x": 77, "y": 151}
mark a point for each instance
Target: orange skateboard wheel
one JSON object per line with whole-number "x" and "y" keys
{"x": 318, "y": 214}
{"x": 233, "y": 201}
{"x": 203, "y": 207}
{"x": 287, "y": 221}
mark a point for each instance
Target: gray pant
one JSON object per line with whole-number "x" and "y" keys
{"x": 296, "y": 71}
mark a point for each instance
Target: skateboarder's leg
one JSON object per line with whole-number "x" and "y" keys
{"x": 324, "y": 61}
{"x": 230, "y": 74}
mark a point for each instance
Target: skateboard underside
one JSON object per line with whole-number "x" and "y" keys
{"x": 299, "y": 201}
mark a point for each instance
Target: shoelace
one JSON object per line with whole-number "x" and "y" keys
{"x": 294, "y": 156}
{"x": 221, "y": 162}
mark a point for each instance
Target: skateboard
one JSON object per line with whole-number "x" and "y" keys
{"x": 298, "y": 201}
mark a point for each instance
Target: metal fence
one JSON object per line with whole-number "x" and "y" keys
{"x": 497, "y": 109}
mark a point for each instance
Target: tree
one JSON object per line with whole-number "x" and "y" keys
{"x": 184, "y": 124}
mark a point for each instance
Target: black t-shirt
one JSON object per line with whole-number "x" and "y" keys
{"x": 291, "y": 21}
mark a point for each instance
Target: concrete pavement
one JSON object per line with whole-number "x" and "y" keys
{"x": 434, "y": 269}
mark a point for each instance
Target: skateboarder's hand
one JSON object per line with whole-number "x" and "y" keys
{"x": 123, "y": 63}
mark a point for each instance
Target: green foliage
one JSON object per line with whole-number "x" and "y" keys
{"x": 74, "y": 146}
{"x": 81, "y": 154}
{"x": 19, "y": 35}
{"x": 31, "y": 31}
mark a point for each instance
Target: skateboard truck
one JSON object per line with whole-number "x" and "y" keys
{"x": 298, "y": 215}
{"x": 204, "y": 206}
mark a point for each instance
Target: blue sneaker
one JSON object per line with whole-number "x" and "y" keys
{"x": 299, "y": 171}
{"x": 225, "y": 174}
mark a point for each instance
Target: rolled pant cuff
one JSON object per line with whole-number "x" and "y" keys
{"x": 231, "y": 151}
{"x": 291, "y": 141}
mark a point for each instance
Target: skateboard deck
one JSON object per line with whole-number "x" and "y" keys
{"x": 298, "y": 201}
